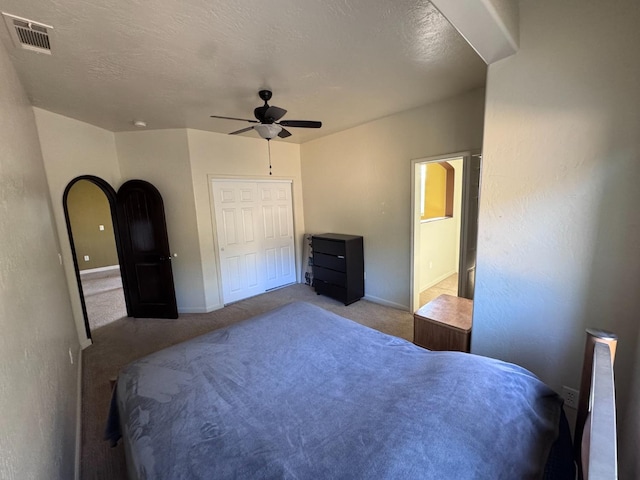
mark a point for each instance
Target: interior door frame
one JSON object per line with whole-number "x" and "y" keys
{"x": 466, "y": 212}
{"x": 110, "y": 193}
{"x": 414, "y": 279}
{"x": 214, "y": 224}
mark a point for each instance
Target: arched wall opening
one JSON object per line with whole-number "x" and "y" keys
{"x": 90, "y": 212}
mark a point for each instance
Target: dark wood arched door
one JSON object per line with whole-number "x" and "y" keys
{"x": 146, "y": 254}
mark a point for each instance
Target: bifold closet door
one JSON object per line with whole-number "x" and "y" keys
{"x": 277, "y": 239}
{"x": 254, "y": 225}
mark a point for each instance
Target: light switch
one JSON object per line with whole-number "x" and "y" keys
{"x": 101, "y": 227}
{"x": 86, "y": 258}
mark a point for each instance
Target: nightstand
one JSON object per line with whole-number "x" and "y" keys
{"x": 444, "y": 324}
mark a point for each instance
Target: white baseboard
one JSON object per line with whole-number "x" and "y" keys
{"x": 211, "y": 308}
{"x": 386, "y": 303}
{"x": 437, "y": 280}
{"x": 100, "y": 269}
{"x": 194, "y": 310}
{"x": 78, "y": 453}
{"x": 84, "y": 343}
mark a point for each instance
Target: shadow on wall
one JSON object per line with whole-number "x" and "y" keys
{"x": 612, "y": 300}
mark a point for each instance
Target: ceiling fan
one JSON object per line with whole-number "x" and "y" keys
{"x": 268, "y": 120}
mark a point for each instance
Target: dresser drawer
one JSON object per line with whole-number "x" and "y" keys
{"x": 331, "y": 290}
{"x": 334, "y": 262}
{"x": 330, "y": 276}
{"x": 330, "y": 247}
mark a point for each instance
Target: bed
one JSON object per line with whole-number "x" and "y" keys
{"x": 300, "y": 392}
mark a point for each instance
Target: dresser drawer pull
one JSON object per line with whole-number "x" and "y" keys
{"x": 340, "y": 256}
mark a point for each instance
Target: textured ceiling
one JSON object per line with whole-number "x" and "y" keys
{"x": 174, "y": 63}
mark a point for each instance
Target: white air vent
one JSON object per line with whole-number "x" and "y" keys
{"x": 28, "y": 34}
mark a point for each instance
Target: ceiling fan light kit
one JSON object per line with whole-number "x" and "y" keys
{"x": 268, "y": 130}
{"x": 268, "y": 123}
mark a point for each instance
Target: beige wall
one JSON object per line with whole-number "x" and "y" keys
{"x": 89, "y": 208}
{"x": 559, "y": 231}
{"x": 161, "y": 157}
{"x": 178, "y": 163}
{"x": 39, "y": 386}
{"x": 440, "y": 240}
{"x": 359, "y": 182}
{"x": 71, "y": 148}
{"x": 214, "y": 155}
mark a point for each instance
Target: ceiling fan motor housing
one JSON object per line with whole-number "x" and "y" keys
{"x": 259, "y": 113}
{"x": 265, "y": 95}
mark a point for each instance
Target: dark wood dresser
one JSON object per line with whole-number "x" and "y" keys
{"x": 338, "y": 266}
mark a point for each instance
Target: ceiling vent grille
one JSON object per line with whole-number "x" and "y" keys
{"x": 28, "y": 34}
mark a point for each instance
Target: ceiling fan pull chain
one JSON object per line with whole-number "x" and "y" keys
{"x": 269, "y": 147}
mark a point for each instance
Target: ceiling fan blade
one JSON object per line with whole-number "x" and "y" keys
{"x": 241, "y": 130}
{"x": 284, "y": 133}
{"x": 233, "y": 118}
{"x": 274, "y": 114}
{"x": 301, "y": 123}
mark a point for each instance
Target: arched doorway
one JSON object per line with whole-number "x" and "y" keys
{"x": 89, "y": 205}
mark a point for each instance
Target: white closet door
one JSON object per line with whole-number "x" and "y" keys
{"x": 238, "y": 226}
{"x": 277, "y": 221}
{"x": 254, "y": 224}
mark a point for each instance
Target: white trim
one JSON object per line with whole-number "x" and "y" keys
{"x": 223, "y": 178}
{"x": 386, "y": 303}
{"x": 414, "y": 279}
{"x": 211, "y": 308}
{"x": 438, "y": 280}
{"x": 436, "y": 219}
{"x": 85, "y": 342}
{"x": 78, "y": 453}
{"x": 206, "y": 309}
{"x": 100, "y": 269}
{"x": 192, "y": 310}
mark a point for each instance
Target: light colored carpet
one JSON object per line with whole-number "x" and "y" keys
{"x": 449, "y": 286}
{"x": 128, "y": 339}
{"x": 103, "y": 297}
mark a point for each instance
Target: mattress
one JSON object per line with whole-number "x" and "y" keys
{"x": 300, "y": 393}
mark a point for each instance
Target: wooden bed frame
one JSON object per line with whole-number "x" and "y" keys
{"x": 595, "y": 441}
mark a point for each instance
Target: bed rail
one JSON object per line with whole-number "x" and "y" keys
{"x": 595, "y": 436}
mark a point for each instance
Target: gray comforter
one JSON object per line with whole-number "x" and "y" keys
{"x": 303, "y": 393}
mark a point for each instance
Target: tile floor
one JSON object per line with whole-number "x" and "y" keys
{"x": 449, "y": 286}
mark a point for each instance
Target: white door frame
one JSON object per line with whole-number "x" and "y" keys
{"x": 216, "y": 245}
{"x": 414, "y": 280}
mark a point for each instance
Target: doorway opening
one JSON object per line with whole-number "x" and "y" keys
{"x": 90, "y": 212}
{"x": 444, "y": 226}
